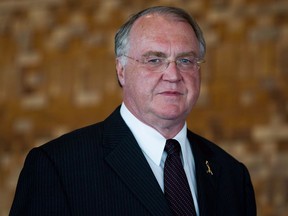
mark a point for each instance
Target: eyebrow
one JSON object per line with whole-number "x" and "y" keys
{"x": 192, "y": 53}
{"x": 154, "y": 53}
{"x": 163, "y": 55}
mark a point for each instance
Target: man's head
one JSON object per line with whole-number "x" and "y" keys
{"x": 158, "y": 53}
{"x": 122, "y": 35}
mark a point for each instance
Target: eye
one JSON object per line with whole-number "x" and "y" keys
{"x": 186, "y": 61}
{"x": 154, "y": 61}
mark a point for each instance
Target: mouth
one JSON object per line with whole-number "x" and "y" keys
{"x": 171, "y": 93}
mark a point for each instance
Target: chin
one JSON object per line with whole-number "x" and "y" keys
{"x": 170, "y": 114}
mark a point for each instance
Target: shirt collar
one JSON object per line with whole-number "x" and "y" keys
{"x": 150, "y": 140}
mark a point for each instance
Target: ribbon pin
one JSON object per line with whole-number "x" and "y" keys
{"x": 208, "y": 168}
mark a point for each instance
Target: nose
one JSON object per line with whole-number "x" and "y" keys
{"x": 172, "y": 72}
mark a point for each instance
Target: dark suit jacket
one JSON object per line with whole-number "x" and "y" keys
{"x": 101, "y": 170}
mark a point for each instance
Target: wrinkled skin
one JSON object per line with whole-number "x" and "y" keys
{"x": 160, "y": 100}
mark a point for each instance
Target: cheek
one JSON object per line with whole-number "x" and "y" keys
{"x": 193, "y": 86}
{"x": 142, "y": 81}
{"x": 136, "y": 85}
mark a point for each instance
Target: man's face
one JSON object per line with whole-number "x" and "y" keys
{"x": 160, "y": 97}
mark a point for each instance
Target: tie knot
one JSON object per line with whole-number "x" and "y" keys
{"x": 172, "y": 146}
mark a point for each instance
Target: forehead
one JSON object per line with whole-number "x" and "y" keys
{"x": 162, "y": 30}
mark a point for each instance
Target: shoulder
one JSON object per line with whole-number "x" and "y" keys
{"x": 80, "y": 143}
{"x": 90, "y": 136}
{"x": 211, "y": 151}
{"x": 226, "y": 167}
{"x": 80, "y": 136}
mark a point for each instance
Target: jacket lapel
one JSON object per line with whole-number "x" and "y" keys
{"x": 126, "y": 158}
{"x": 207, "y": 174}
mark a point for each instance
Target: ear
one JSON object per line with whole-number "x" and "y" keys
{"x": 120, "y": 72}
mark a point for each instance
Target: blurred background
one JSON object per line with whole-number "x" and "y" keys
{"x": 57, "y": 73}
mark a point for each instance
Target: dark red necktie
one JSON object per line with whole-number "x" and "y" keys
{"x": 176, "y": 187}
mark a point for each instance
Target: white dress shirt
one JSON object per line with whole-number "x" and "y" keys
{"x": 152, "y": 144}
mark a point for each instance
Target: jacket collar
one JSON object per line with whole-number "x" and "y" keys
{"x": 207, "y": 174}
{"x": 126, "y": 158}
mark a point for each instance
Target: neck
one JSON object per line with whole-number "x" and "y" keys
{"x": 168, "y": 128}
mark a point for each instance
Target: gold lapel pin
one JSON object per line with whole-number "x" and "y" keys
{"x": 208, "y": 168}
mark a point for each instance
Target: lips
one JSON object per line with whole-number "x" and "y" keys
{"x": 171, "y": 93}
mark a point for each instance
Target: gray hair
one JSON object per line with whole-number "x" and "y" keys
{"x": 122, "y": 35}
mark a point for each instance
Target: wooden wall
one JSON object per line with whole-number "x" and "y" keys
{"x": 57, "y": 73}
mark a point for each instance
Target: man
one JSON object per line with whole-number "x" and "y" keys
{"x": 121, "y": 166}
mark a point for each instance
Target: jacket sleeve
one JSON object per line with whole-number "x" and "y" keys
{"x": 39, "y": 190}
